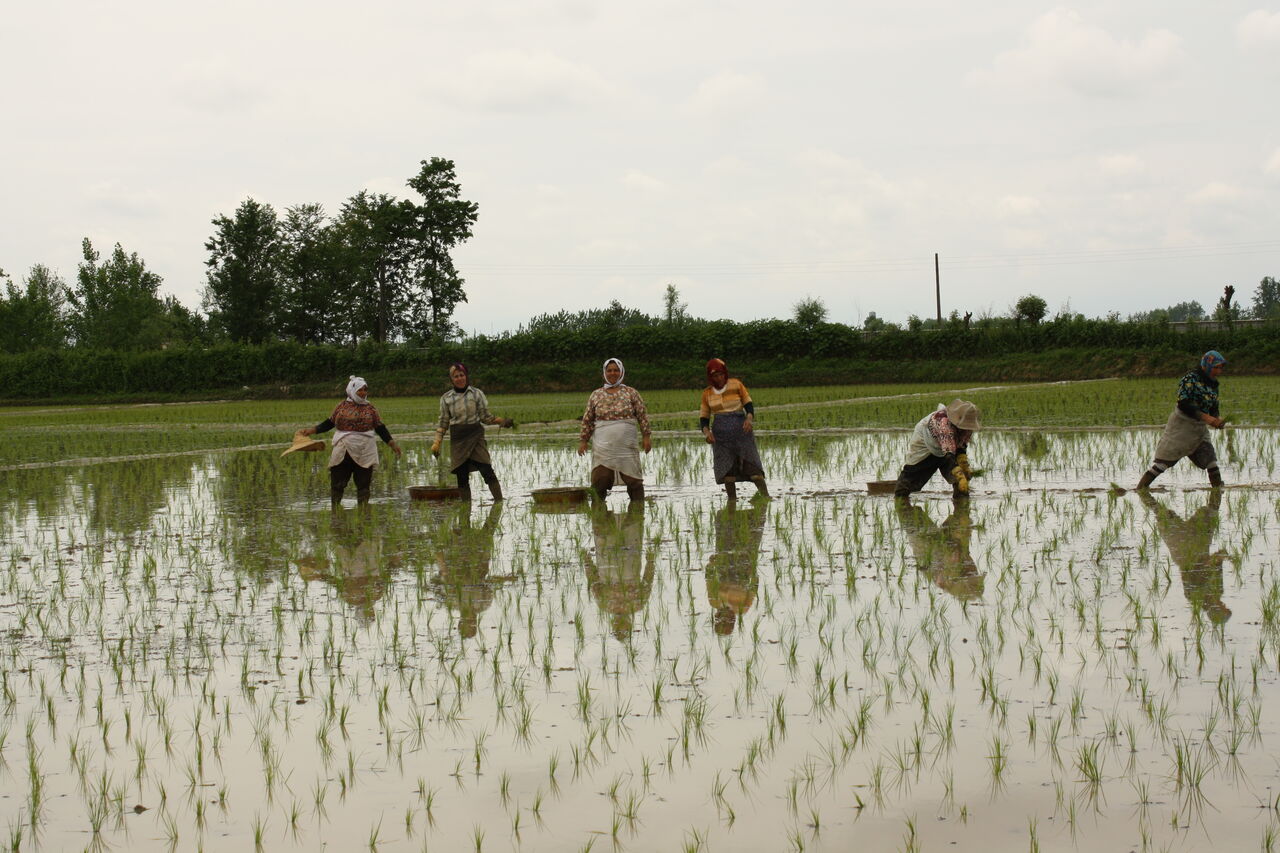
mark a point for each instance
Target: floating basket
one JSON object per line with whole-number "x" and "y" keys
{"x": 434, "y": 493}
{"x": 561, "y": 496}
{"x": 881, "y": 487}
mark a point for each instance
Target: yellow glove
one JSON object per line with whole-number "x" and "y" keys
{"x": 435, "y": 447}
{"x": 962, "y": 462}
{"x": 961, "y": 481}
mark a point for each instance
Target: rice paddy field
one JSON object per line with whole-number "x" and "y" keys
{"x": 196, "y": 652}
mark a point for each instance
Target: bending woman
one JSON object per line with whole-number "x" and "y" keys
{"x": 355, "y": 452}
{"x": 731, "y": 435}
{"x": 614, "y": 413}
{"x": 1187, "y": 431}
{"x": 464, "y": 410}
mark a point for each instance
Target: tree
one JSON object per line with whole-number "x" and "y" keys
{"x": 873, "y": 323}
{"x": 372, "y": 230}
{"x": 809, "y": 311}
{"x": 242, "y": 295}
{"x": 33, "y": 316}
{"x": 440, "y": 222}
{"x": 1030, "y": 308}
{"x": 673, "y": 310}
{"x": 1226, "y": 311}
{"x": 312, "y": 268}
{"x": 114, "y": 304}
{"x": 1266, "y": 299}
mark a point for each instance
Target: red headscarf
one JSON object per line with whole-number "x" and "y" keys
{"x": 715, "y": 365}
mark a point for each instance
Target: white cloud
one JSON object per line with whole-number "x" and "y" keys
{"x": 1259, "y": 30}
{"x": 643, "y": 182}
{"x": 1272, "y": 167}
{"x": 726, "y": 93}
{"x": 1218, "y": 193}
{"x": 1121, "y": 165}
{"x": 1061, "y": 48}
{"x": 1019, "y": 206}
{"x": 520, "y": 81}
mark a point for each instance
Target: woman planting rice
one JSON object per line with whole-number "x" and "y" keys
{"x": 1187, "y": 431}
{"x": 731, "y": 434}
{"x": 940, "y": 443}
{"x": 464, "y": 410}
{"x": 614, "y": 413}
{"x": 355, "y": 452}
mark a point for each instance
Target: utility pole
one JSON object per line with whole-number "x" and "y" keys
{"x": 937, "y": 287}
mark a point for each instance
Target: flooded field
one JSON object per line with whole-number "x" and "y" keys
{"x": 199, "y": 654}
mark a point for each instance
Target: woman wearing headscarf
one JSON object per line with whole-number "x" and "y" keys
{"x": 614, "y": 413}
{"x": 1186, "y": 433}
{"x": 731, "y": 433}
{"x": 464, "y": 411}
{"x": 356, "y": 424}
{"x": 940, "y": 443}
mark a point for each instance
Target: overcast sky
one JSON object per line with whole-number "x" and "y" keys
{"x": 1116, "y": 156}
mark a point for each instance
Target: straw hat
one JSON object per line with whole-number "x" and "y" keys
{"x": 964, "y": 415}
{"x": 302, "y": 441}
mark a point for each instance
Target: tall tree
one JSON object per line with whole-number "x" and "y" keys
{"x": 114, "y": 304}
{"x": 673, "y": 310}
{"x": 1031, "y": 308}
{"x": 1266, "y": 299}
{"x": 372, "y": 229}
{"x": 441, "y": 221}
{"x": 312, "y": 272}
{"x": 33, "y": 316}
{"x": 242, "y": 295}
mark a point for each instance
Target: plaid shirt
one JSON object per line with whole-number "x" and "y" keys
{"x": 468, "y": 407}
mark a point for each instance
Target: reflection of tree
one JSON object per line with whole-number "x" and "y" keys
{"x": 620, "y": 577}
{"x": 1190, "y": 544}
{"x": 463, "y": 554}
{"x": 943, "y": 552}
{"x": 1033, "y": 445}
{"x": 124, "y": 496}
{"x": 732, "y": 579}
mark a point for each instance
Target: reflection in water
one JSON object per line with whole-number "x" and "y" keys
{"x": 463, "y": 554}
{"x": 1190, "y": 544}
{"x": 620, "y": 576}
{"x": 732, "y": 580}
{"x": 943, "y": 552}
{"x": 351, "y": 559}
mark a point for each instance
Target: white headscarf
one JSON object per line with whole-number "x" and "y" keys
{"x": 354, "y": 384}
{"x": 621, "y": 370}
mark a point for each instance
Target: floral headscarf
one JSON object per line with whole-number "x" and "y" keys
{"x": 457, "y": 365}
{"x": 354, "y": 384}
{"x": 621, "y": 370}
{"x": 1210, "y": 360}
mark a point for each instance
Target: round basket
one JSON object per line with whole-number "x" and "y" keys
{"x": 561, "y": 495}
{"x": 434, "y": 493}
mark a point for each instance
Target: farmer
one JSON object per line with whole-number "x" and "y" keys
{"x": 464, "y": 410}
{"x": 614, "y": 413}
{"x": 731, "y": 435}
{"x": 940, "y": 442}
{"x": 1186, "y": 433}
{"x": 355, "y": 453}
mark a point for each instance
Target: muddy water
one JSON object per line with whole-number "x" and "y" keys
{"x": 198, "y": 653}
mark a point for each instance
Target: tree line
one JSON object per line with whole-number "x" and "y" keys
{"x": 380, "y": 270}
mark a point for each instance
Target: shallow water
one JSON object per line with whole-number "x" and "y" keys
{"x": 198, "y": 635}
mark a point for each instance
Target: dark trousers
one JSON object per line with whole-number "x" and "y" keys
{"x": 463, "y": 473}
{"x": 341, "y": 474}
{"x": 915, "y": 477}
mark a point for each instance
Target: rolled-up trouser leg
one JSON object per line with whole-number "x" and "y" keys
{"x": 731, "y": 487}
{"x": 1206, "y": 458}
{"x": 601, "y": 480}
{"x": 635, "y": 487}
{"x": 1157, "y": 468}
{"x": 463, "y": 476}
{"x": 761, "y": 487}
{"x": 364, "y": 483}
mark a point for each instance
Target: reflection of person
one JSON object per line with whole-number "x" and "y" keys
{"x": 355, "y": 453}
{"x": 732, "y": 579}
{"x": 732, "y": 433}
{"x": 1190, "y": 544}
{"x": 356, "y": 569}
{"x": 464, "y": 410}
{"x": 940, "y": 442}
{"x": 614, "y": 413}
{"x": 620, "y": 576}
{"x": 1186, "y": 433}
{"x": 943, "y": 552}
{"x": 462, "y": 581}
